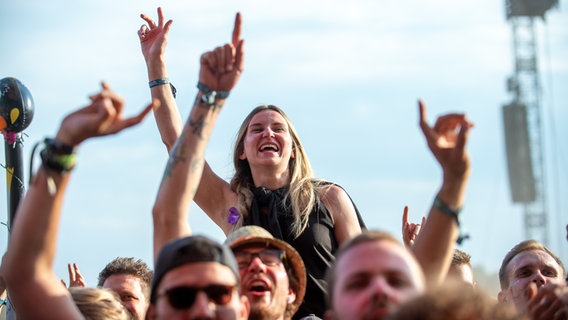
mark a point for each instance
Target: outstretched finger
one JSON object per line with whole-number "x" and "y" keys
{"x": 148, "y": 20}
{"x": 405, "y": 216}
{"x": 71, "y": 274}
{"x": 160, "y": 17}
{"x": 422, "y": 112}
{"x": 167, "y": 26}
{"x": 423, "y": 121}
{"x": 79, "y": 280}
{"x": 237, "y": 29}
{"x": 77, "y": 272}
{"x": 423, "y": 220}
{"x": 239, "y": 57}
{"x": 426, "y": 130}
{"x": 129, "y": 122}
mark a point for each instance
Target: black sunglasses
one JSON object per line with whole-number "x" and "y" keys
{"x": 183, "y": 297}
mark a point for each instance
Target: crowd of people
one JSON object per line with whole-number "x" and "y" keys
{"x": 297, "y": 246}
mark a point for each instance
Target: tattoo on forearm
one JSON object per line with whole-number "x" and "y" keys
{"x": 197, "y": 126}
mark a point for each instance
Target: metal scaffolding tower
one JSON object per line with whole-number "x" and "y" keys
{"x": 522, "y": 118}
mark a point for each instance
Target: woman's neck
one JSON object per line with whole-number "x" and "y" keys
{"x": 270, "y": 179}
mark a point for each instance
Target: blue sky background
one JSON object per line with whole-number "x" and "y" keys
{"x": 348, "y": 73}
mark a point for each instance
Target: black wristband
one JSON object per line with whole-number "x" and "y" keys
{"x": 445, "y": 209}
{"x": 57, "y": 147}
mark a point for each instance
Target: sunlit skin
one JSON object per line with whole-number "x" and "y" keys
{"x": 199, "y": 274}
{"x": 527, "y": 272}
{"x": 268, "y": 146}
{"x": 266, "y": 287}
{"x": 461, "y": 272}
{"x": 373, "y": 279}
{"x": 129, "y": 288}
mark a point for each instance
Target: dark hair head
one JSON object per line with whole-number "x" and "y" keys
{"x": 129, "y": 266}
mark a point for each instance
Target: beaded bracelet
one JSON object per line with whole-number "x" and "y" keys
{"x": 445, "y": 209}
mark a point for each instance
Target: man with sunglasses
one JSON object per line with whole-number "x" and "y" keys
{"x": 273, "y": 276}
{"x": 196, "y": 278}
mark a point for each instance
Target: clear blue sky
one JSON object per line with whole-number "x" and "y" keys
{"x": 348, "y": 73}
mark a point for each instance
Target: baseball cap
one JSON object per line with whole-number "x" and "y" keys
{"x": 191, "y": 249}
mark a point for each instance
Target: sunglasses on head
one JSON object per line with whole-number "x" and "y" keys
{"x": 183, "y": 297}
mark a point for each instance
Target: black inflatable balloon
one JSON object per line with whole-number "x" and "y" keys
{"x": 16, "y": 105}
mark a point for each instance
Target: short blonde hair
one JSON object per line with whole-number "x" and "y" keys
{"x": 99, "y": 304}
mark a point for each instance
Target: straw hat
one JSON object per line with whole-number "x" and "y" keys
{"x": 294, "y": 264}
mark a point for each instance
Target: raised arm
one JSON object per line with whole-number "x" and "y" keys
{"x": 35, "y": 289}
{"x": 434, "y": 244}
{"x": 153, "y": 40}
{"x": 219, "y": 72}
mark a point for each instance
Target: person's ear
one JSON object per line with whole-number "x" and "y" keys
{"x": 502, "y": 296}
{"x": 151, "y": 313}
{"x": 291, "y": 297}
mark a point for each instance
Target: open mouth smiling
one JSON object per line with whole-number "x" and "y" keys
{"x": 258, "y": 286}
{"x": 269, "y": 147}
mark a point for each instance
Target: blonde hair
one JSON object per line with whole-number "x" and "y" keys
{"x": 302, "y": 193}
{"x": 99, "y": 304}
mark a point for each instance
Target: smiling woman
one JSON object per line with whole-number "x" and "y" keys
{"x": 275, "y": 188}
{"x": 273, "y": 185}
